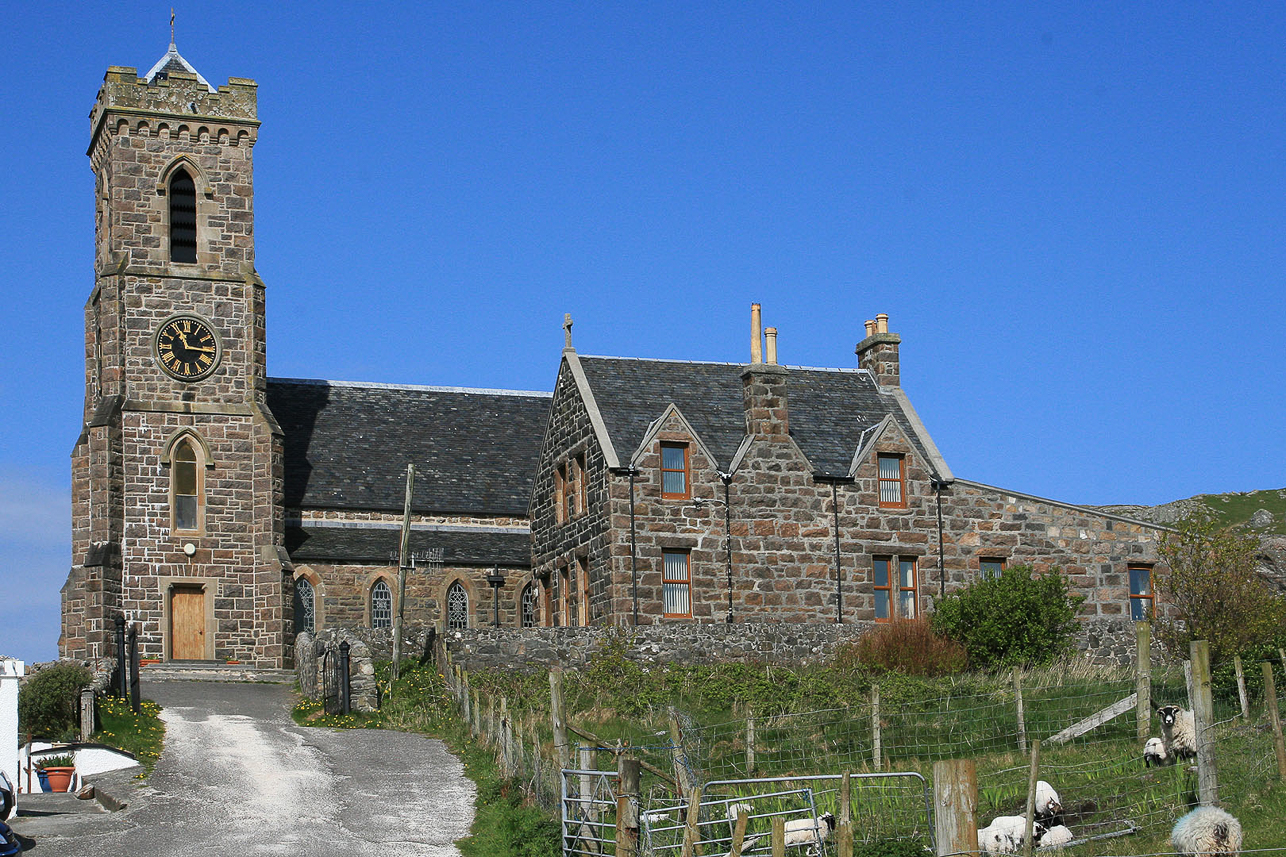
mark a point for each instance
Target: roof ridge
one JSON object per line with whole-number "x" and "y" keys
{"x": 425, "y": 388}
{"x": 844, "y": 369}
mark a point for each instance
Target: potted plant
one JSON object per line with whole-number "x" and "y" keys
{"x": 59, "y": 770}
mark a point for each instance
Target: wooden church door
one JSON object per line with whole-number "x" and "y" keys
{"x": 187, "y": 623}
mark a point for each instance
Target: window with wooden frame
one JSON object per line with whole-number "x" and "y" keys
{"x": 1142, "y": 600}
{"x": 187, "y": 484}
{"x": 676, "y": 481}
{"x": 560, "y": 493}
{"x": 892, "y": 471}
{"x": 582, "y": 591}
{"x": 547, "y": 601}
{"x": 676, "y": 583}
{"x": 556, "y": 583}
{"x": 582, "y": 493}
{"x": 990, "y": 567}
{"x": 896, "y": 584}
{"x": 566, "y": 588}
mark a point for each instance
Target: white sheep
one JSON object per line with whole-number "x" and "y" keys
{"x": 810, "y": 831}
{"x": 1056, "y": 836}
{"x": 1154, "y": 754}
{"x": 1178, "y": 731}
{"x": 1007, "y": 833}
{"x": 1206, "y": 831}
{"x": 1049, "y": 807}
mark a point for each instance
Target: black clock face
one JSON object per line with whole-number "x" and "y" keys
{"x": 187, "y": 348}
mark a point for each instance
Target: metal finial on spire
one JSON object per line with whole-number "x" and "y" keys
{"x": 567, "y": 329}
{"x": 171, "y": 25}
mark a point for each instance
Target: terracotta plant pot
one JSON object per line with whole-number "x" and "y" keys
{"x": 60, "y": 778}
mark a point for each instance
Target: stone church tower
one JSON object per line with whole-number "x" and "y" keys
{"x": 177, "y": 473}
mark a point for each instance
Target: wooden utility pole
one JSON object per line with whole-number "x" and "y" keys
{"x": 403, "y": 556}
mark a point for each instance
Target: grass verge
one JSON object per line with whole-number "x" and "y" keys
{"x": 141, "y": 734}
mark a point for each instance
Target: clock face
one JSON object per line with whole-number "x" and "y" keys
{"x": 187, "y": 347}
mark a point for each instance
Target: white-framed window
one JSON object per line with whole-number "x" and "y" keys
{"x": 381, "y": 605}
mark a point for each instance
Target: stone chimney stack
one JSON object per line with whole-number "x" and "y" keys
{"x": 764, "y": 384}
{"x": 878, "y": 352}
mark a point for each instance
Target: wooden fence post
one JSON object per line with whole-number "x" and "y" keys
{"x": 1203, "y": 717}
{"x": 750, "y": 745}
{"x": 1029, "y": 818}
{"x": 506, "y": 752}
{"x": 1187, "y": 678}
{"x": 844, "y": 832}
{"x": 739, "y": 835}
{"x": 955, "y": 802}
{"x": 682, "y": 771}
{"x": 1022, "y": 721}
{"x": 627, "y": 807}
{"x": 877, "y": 752}
{"x": 692, "y": 820}
{"x": 477, "y": 716}
{"x": 1241, "y": 688}
{"x": 1281, "y": 653}
{"x": 561, "y": 747}
{"x": 1270, "y": 700}
{"x": 1143, "y": 679}
{"x": 586, "y": 763}
{"x": 778, "y": 836}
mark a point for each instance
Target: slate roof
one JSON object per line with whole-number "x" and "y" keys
{"x": 347, "y": 446}
{"x": 829, "y": 409}
{"x": 374, "y": 546}
{"x": 173, "y": 61}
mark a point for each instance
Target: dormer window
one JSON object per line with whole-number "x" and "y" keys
{"x": 892, "y": 481}
{"x": 182, "y": 195}
{"x": 675, "y": 478}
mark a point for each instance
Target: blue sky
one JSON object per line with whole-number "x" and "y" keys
{"x": 1073, "y": 215}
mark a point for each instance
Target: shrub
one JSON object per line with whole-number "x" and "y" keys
{"x": 910, "y": 646}
{"x": 1017, "y": 618}
{"x": 1217, "y": 594}
{"x": 49, "y": 704}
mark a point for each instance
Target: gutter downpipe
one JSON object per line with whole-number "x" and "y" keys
{"x": 938, "y": 485}
{"x": 726, "y": 478}
{"x": 839, "y": 574}
{"x": 634, "y": 550}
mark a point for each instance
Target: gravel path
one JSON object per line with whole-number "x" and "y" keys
{"x": 238, "y": 777}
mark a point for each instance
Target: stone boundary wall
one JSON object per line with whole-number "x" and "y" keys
{"x": 310, "y": 654}
{"x": 1106, "y": 641}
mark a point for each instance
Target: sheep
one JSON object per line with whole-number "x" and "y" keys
{"x": 1206, "y": 831}
{"x": 1154, "y": 754}
{"x": 1007, "y": 833}
{"x": 1049, "y": 808}
{"x": 1056, "y": 836}
{"x": 1178, "y": 732}
{"x": 810, "y": 831}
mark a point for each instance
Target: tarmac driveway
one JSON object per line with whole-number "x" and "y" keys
{"x": 238, "y": 777}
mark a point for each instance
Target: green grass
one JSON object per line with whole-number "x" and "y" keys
{"x": 141, "y": 734}
{"x": 1233, "y": 509}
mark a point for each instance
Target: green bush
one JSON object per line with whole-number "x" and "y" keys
{"x": 1018, "y": 618}
{"x": 49, "y": 704}
{"x": 890, "y": 848}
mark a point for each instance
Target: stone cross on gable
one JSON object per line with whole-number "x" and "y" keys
{"x": 567, "y": 329}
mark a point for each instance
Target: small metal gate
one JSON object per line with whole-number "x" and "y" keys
{"x": 588, "y": 812}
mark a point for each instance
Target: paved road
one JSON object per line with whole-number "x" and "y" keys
{"x": 238, "y": 777}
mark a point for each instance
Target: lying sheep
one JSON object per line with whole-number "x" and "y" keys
{"x": 1154, "y": 754}
{"x": 810, "y": 831}
{"x": 1178, "y": 732}
{"x": 1007, "y": 833}
{"x": 1206, "y": 831}
{"x": 1056, "y": 836}
{"x": 1049, "y": 807}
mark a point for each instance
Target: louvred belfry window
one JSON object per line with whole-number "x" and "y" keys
{"x": 182, "y": 196}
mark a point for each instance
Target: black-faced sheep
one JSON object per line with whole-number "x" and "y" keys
{"x": 1049, "y": 807}
{"x": 1205, "y": 832}
{"x": 1154, "y": 754}
{"x": 810, "y": 831}
{"x": 1178, "y": 732}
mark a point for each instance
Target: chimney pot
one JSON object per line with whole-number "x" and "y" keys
{"x": 882, "y": 323}
{"x": 771, "y": 335}
{"x": 756, "y": 335}
{"x": 870, "y": 327}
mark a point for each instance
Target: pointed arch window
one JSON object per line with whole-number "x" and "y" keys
{"x": 185, "y": 487}
{"x": 182, "y": 196}
{"x": 305, "y": 606}
{"x": 530, "y": 606}
{"x": 457, "y": 607}
{"x": 381, "y": 605}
